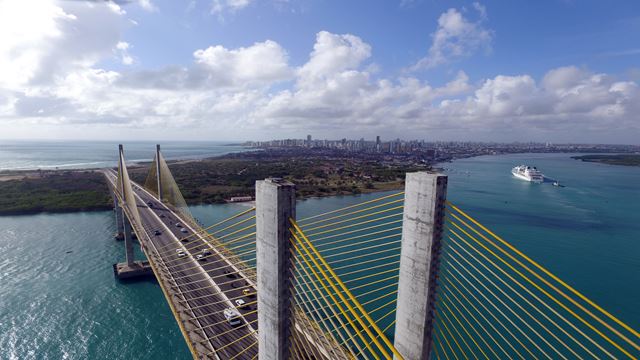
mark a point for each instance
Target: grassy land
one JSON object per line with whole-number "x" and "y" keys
{"x": 54, "y": 191}
{"x": 206, "y": 181}
{"x": 214, "y": 180}
{"x": 623, "y": 159}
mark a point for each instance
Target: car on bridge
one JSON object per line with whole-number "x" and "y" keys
{"x": 206, "y": 252}
{"x": 157, "y": 233}
{"x": 201, "y": 257}
{"x": 184, "y": 231}
{"x": 150, "y": 204}
{"x": 233, "y": 316}
{"x": 181, "y": 253}
{"x": 178, "y": 225}
{"x": 240, "y": 303}
{"x": 248, "y": 292}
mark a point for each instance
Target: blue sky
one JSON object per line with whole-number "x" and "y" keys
{"x": 556, "y": 71}
{"x": 529, "y": 36}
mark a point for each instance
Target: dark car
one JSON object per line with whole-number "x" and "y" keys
{"x": 157, "y": 232}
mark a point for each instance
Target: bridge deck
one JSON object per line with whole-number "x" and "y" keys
{"x": 205, "y": 298}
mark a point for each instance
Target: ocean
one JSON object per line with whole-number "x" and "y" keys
{"x": 59, "y": 299}
{"x": 49, "y": 155}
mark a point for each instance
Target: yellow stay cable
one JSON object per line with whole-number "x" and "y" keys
{"x": 348, "y": 293}
{"x": 481, "y": 283}
{"x": 319, "y": 246}
{"x": 317, "y": 318}
{"x": 453, "y": 352}
{"x": 342, "y": 216}
{"x": 445, "y": 320}
{"x": 297, "y": 300}
{"x": 552, "y": 297}
{"x": 332, "y": 298}
{"x": 463, "y": 327}
{"x": 449, "y": 283}
{"x": 302, "y": 221}
{"x": 326, "y": 278}
{"x": 516, "y": 338}
{"x": 352, "y": 225}
{"x": 318, "y": 239}
{"x": 535, "y": 297}
{"x": 464, "y": 318}
{"x": 548, "y": 273}
{"x": 223, "y": 221}
{"x": 438, "y": 341}
{"x": 357, "y": 218}
{"x": 244, "y": 350}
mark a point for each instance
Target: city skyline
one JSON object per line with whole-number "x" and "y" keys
{"x": 559, "y": 72}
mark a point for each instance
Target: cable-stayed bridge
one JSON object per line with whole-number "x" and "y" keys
{"x": 405, "y": 276}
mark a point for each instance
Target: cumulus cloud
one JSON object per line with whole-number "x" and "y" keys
{"x": 148, "y": 5}
{"x": 50, "y": 74}
{"x": 456, "y": 37}
{"x": 220, "y": 6}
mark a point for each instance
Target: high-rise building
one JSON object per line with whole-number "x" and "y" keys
{"x": 378, "y": 143}
{"x": 308, "y": 140}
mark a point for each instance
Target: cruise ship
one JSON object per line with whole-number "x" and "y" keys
{"x": 528, "y": 173}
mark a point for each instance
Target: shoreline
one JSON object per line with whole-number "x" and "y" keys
{"x": 208, "y": 181}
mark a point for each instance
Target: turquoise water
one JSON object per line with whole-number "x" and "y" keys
{"x": 47, "y": 155}
{"x": 55, "y": 304}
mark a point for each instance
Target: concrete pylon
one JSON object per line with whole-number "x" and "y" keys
{"x": 422, "y": 223}
{"x": 128, "y": 241}
{"x": 275, "y": 205}
{"x": 158, "y": 172}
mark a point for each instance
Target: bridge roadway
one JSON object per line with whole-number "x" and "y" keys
{"x": 195, "y": 279}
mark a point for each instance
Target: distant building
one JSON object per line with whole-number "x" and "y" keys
{"x": 378, "y": 143}
{"x": 308, "y": 140}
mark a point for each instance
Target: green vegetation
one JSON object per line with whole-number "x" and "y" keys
{"x": 54, "y": 191}
{"x": 218, "y": 179}
{"x": 612, "y": 159}
{"x": 203, "y": 182}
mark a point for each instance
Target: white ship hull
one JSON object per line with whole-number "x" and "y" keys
{"x": 527, "y": 174}
{"x": 525, "y": 178}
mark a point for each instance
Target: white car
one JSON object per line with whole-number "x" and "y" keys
{"x": 201, "y": 257}
{"x": 241, "y": 303}
{"x": 233, "y": 316}
{"x": 182, "y": 254}
{"x": 183, "y": 230}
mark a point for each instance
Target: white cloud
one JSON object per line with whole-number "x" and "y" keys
{"x": 456, "y": 37}
{"x": 148, "y": 5}
{"x": 221, "y": 6}
{"x": 261, "y": 62}
{"x": 50, "y": 77}
{"x": 122, "y": 50}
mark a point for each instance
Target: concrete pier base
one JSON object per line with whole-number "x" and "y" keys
{"x": 137, "y": 269}
{"x": 275, "y": 205}
{"x": 422, "y": 225}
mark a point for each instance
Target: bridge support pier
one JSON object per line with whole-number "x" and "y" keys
{"x": 275, "y": 205}
{"x": 422, "y": 223}
{"x": 119, "y": 222}
{"x": 128, "y": 240}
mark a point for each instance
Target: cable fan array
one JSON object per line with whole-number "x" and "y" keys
{"x": 495, "y": 302}
{"x": 346, "y": 274}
